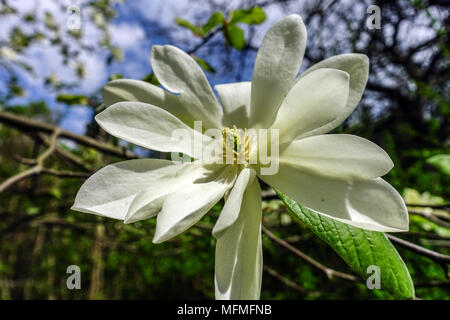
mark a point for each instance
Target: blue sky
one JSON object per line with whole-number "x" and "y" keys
{"x": 126, "y": 32}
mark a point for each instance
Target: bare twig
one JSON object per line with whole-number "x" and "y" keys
{"x": 32, "y": 125}
{"x": 204, "y": 41}
{"x": 437, "y": 257}
{"x": 65, "y": 174}
{"x": 284, "y": 280}
{"x": 433, "y": 284}
{"x": 430, "y": 217}
{"x": 328, "y": 271}
{"x": 65, "y": 155}
{"x": 433, "y": 206}
{"x": 39, "y": 167}
{"x": 18, "y": 177}
{"x": 36, "y": 169}
{"x": 269, "y": 195}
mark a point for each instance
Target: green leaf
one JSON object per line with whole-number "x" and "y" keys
{"x": 254, "y": 15}
{"x": 151, "y": 78}
{"x": 188, "y": 25}
{"x": 72, "y": 99}
{"x": 205, "y": 65}
{"x": 441, "y": 162}
{"x": 215, "y": 20}
{"x": 235, "y": 36}
{"x": 115, "y": 76}
{"x": 359, "y": 248}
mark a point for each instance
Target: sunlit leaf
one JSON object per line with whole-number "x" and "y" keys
{"x": 441, "y": 162}
{"x": 151, "y": 78}
{"x": 235, "y": 37}
{"x": 255, "y": 15}
{"x": 72, "y": 99}
{"x": 188, "y": 25}
{"x": 359, "y": 248}
{"x": 205, "y": 65}
{"x": 215, "y": 20}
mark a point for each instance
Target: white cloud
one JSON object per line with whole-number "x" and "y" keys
{"x": 127, "y": 35}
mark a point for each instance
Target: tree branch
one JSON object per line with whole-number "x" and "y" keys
{"x": 32, "y": 125}
{"x": 284, "y": 280}
{"x": 437, "y": 257}
{"x": 38, "y": 168}
{"x": 328, "y": 271}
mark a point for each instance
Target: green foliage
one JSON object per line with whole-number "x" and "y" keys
{"x": 359, "y": 248}
{"x": 205, "y": 65}
{"x": 72, "y": 99}
{"x": 188, "y": 25}
{"x": 216, "y": 19}
{"x": 235, "y": 37}
{"x": 151, "y": 78}
{"x": 255, "y": 15}
{"x": 233, "y": 34}
{"x": 441, "y": 162}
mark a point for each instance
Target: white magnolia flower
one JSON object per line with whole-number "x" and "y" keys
{"x": 336, "y": 175}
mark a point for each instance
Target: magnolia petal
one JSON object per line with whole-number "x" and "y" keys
{"x": 149, "y": 202}
{"x": 369, "y": 204}
{"x": 312, "y": 102}
{"x": 338, "y": 155}
{"x": 376, "y": 205}
{"x": 230, "y": 211}
{"x": 151, "y": 127}
{"x": 184, "y": 207}
{"x": 277, "y": 64}
{"x": 238, "y": 265}
{"x": 235, "y": 99}
{"x": 357, "y": 66}
{"x": 110, "y": 191}
{"x": 140, "y": 91}
{"x": 179, "y": 73}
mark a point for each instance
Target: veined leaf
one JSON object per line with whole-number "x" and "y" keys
{"x": 188, "y": 25}
{"x": 235, "y": 37}
{"x": 254, "y": 15}
{"x": 359, "y": 248}
{"x": 215, "y": 20}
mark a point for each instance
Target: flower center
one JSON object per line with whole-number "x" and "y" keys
{"x": 236, "y": 145}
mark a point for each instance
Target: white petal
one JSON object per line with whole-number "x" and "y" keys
{"x": 369, "y": 204}
{"x": 179, "y": 73}
{"x": 109, "y": 191}
{"x": 149, "y": 201}
{"x": 376, "y": 205}
{"x": 238, "y": 265}
{"x": 140, "y": 91}
{"x": 338, "y": 155}
{"x": 151, "y": 127}
{"x": 184, "y": 207}
{"x": 230, "y": 211}
{"x": 357, "y": 66}
{"x": 312, "y": 102}
{"x": 235, "y": 99}
{"x": 277, "y": 64}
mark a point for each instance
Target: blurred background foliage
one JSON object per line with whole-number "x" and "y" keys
{"x": 405, "y": 109}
